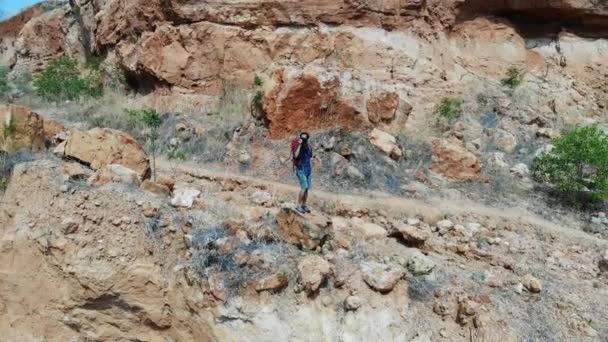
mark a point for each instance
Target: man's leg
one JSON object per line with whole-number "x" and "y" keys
{"x": 304, "y": 197}
{"x": 301, "y": 199}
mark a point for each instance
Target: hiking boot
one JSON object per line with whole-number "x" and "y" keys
{"x": 301, "y": 210}
{"x": 307, "y": 209}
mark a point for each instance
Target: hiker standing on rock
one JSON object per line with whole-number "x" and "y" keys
{"x": 302, "y": 156}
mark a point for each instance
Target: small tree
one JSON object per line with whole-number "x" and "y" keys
{"x": 513, "y": 78}
{"x": 152, "y": 120}
{"x": 577, "y": 164}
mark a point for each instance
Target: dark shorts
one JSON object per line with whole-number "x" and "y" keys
{"x": 304, "y": 179}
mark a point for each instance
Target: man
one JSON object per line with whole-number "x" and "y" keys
{"x": 302, "y": 156}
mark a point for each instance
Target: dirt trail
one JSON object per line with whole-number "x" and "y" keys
{"x": 431, "y": 209}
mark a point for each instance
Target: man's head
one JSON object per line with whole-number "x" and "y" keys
{"x": 304, "y": 136}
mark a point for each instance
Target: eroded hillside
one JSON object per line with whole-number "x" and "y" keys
{"x": 425, "y": 118}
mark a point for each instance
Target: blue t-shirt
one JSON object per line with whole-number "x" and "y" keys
{"x": 303, "y": 163}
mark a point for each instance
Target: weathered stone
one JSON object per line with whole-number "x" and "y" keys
{"x": 380, "y": 277}
{"x": 445, "y": 224}
{"x": 184, "y": 197}
{"x": 114, "y": 173}
{"x": 307, "y": 230}
{"x": 368, "y": 230}
{"x": 386, "y": 143}
{"x": 520, "y": 170}
{"x": 353, "y": 303}
{"x": 497, "y": 160}
{"x": 70, "y": 225}
{"x": 452, "y": 160}
{"x": 22, "y": 127}
{"x": 383, "y": 108}
{"x": 299, "y": 101}
{"x": 167, "y": 181}
{"x": 274, "y": 282}
{"x": 603, "y": 262}
{"x": 150, "y": 210}
{"x": 103, "y": 146}
{"x": 75, "y": 171}
{"x": 419, "y": 264}
{"x": 506, "y": 141}
{"x": 531, "y": 283}
{"x": 467, "y": 309}
{"x": 155, "y": 188}
{"x": 413, "y": 234}
{"x": 261, "y": 197}
{"x": 313, "y": 271}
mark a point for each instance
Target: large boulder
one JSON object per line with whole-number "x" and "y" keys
{"x": 367, "y": 230}
{"x": 308, "y": 231}
{"x": 380, "y": 277}
{"x": 103, "y": 146}
{"x": 184, "y": 197}
{"x": 27, "y": 129}
{"x": 603, "y": 262}
{"x": 386, "y": 142}
{"x": 383, "y": 108}
{"x": 452, "y": 160}
{"x": 313, "y": 271}
{"x": 413, "y": 235}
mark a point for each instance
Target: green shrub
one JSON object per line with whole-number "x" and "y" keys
{"x": 62, "y": 80}
{"x": 449, "y": 108}
{"x": 257, "y": 81}
{"x": 577, "y": 165}
{"x": 176, "y": 155}
{"x": 5, "y": 86}
{"x": 513, "y": 79}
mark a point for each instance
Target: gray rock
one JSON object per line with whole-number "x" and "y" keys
{"x": 419, "y": 264}
{"x": 261, "y": 197}
{"x": 70, "y": 225}
{"x": 380, "y": 277}
{"x": 354, "y": 173}
{"x": 603, "y": 263}
{"x": 353, "y": 303}
{"x": 520, "y": 170}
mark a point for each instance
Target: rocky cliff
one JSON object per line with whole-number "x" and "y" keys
{"x": 356, "y": 61}
{"x": 103, "y": 251}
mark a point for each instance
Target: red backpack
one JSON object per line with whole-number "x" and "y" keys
{"x": 294, "y": 145}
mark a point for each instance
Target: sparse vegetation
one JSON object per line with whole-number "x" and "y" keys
{"x": 4, "y": 83}
{"x": 95, "y": 62}
{"x": 62, "y": 80}
{"x": 450, "y": 108}
{"x": 257, "y": 81}
{"x": 152, "y": 120}
{"x": 257, "y": 101}
{"x": 176, "y": 155}
{"x": 8, "y": 129}
{"x": 577, "y": 166}
{"x": 513, "y": 78}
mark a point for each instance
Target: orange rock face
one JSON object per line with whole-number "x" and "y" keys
{"x": 452, "y": 160}
{"x": 303, "y": 103}
{"x": 383, "y": 108}
{"x": 27, "y": 129}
